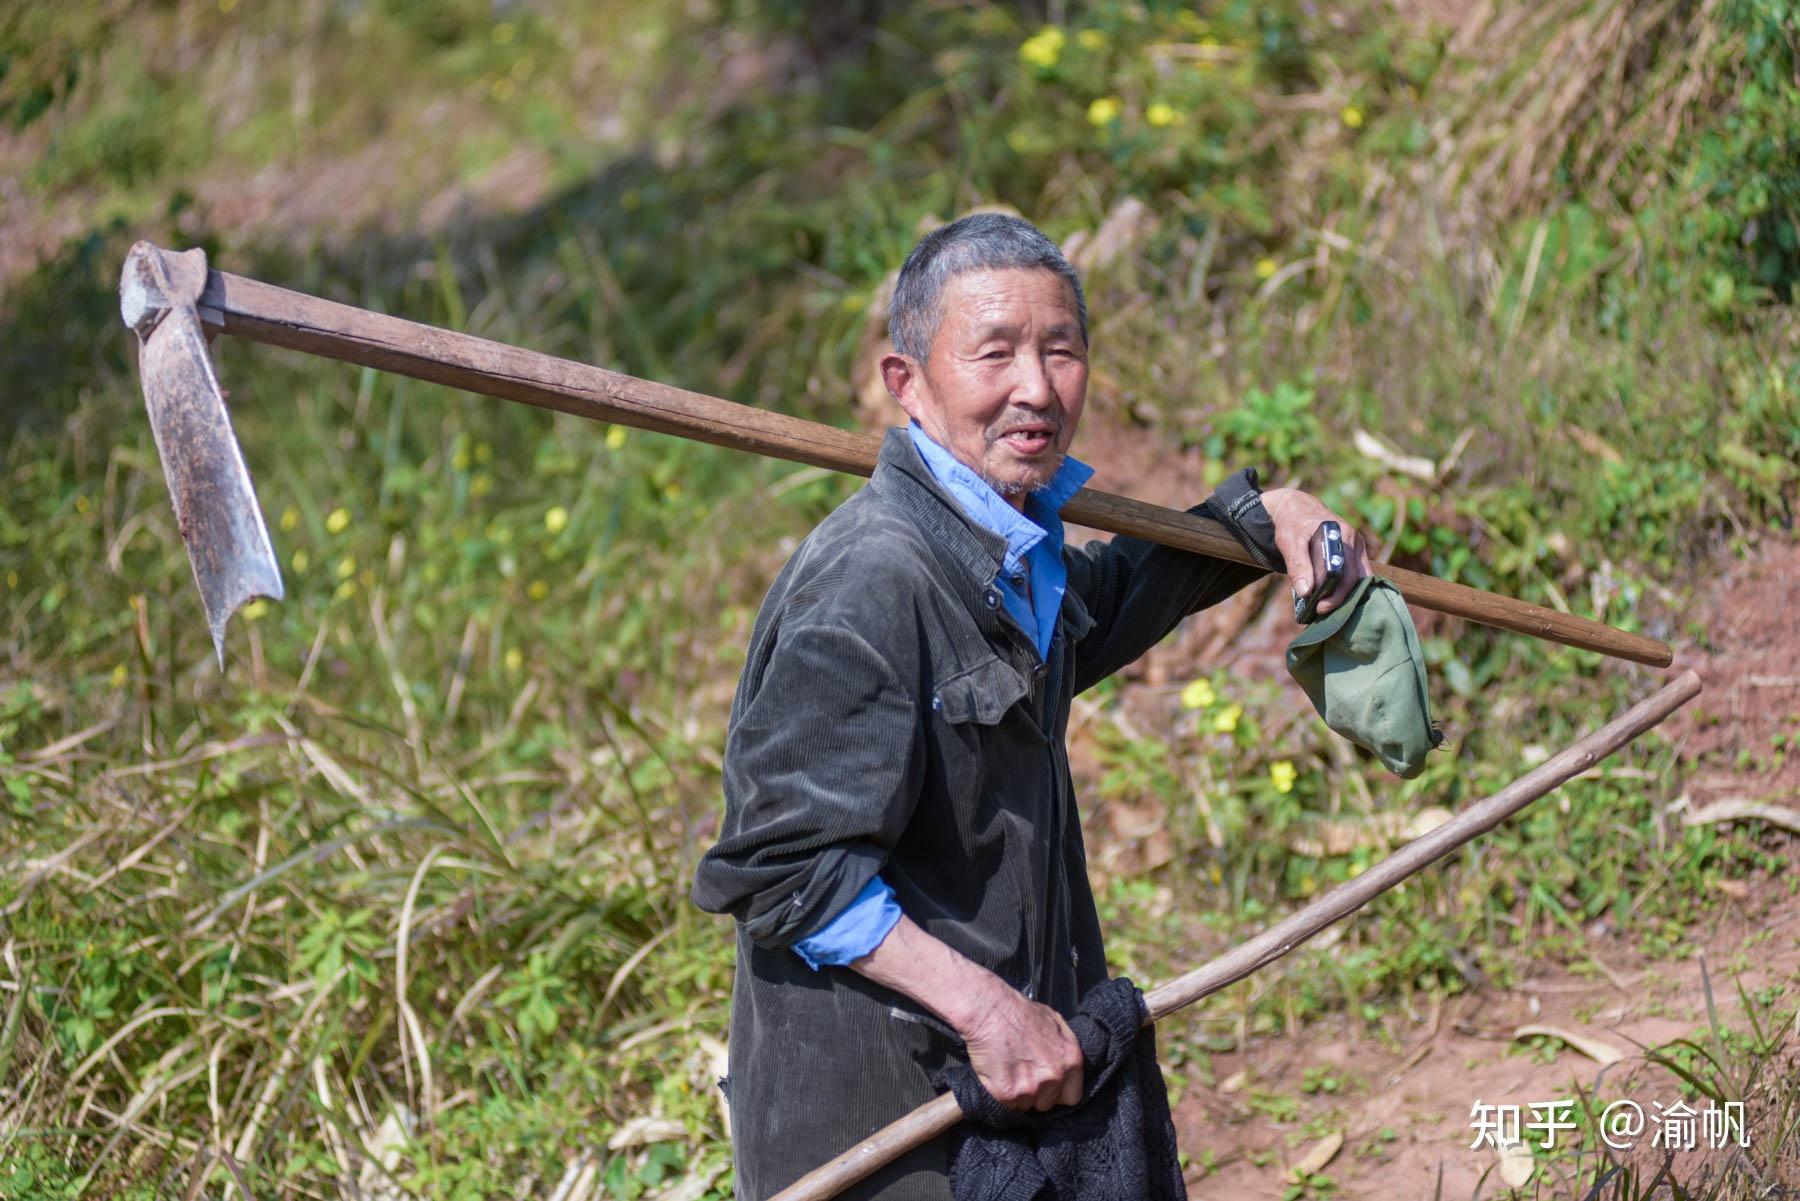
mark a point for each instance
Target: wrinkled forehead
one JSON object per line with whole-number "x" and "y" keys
{"x": 1011, "y": 300}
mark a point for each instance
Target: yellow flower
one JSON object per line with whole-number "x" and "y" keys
{"x": 1198, "y": 694}
{"x": 346, "y": 567}
{"x": 672, "y": 490}
{"x": 515, "y": 659}
{"x": 290, "y": 518}
{"x": 338, "y": 522}
{"x": 1091, "y": 39}
{"x": 502, "y": 89}
{"x": 1282, "y": 775}
{"x": 255, "y": 610}
{"x": 1160, "y": 114}
{"x": 538, "y": 590}
{"x": 1019, "y": 140}
{"x": 1043, "y": 48}
{"x": 556, "y": 518}
{"x": 119, "y": 676}
{"x": 460, "y": 458}
{"x": 480, "y": 484}
{"x": 301, "y": 560}
{"x": 503, "y": 33}
{"x": 345, "y": 590}
{"x": 1226, "y": 720}
{"x": 1265, "y": 268}
{"x": 615, "y": 437}
{"x": 1105, "y": 110}
{"x": 1351, "y": 116}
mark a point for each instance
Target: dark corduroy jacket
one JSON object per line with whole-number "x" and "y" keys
{"x": 893, "y": 718}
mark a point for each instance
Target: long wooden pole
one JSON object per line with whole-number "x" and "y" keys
{"x": 265, "y": 313}
{"x": 939, "y": 1115}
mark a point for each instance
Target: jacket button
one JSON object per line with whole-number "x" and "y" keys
{"x": 937, "y": 703}
{"x": 1039, "y": 671}
{"x": 991, "y": 598}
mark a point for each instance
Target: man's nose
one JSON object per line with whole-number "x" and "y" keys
{"x": 1032, "y": 388}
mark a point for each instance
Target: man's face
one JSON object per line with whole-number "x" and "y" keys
{"x": 1007, "y": 376}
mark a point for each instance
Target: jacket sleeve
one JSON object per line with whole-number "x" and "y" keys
{"x": 859, "y": 929}
{"x": 822, "y": 771}
{"x": 1137, "y": 591}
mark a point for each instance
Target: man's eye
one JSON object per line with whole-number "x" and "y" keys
{"x": 995, "y": 354}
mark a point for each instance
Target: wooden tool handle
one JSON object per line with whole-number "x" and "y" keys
{"x": 265, "y": 313}
{"x": 940, "y": 1114}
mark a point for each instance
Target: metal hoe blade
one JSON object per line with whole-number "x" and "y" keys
{"x": 215, "y": 504}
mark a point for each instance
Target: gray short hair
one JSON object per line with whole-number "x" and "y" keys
{"x": 978, "y": 242}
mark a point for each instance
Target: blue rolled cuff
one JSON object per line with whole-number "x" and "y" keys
{"x": 854, "y": 932}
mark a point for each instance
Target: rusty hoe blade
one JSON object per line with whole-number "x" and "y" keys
{"x": 215, "y": 504}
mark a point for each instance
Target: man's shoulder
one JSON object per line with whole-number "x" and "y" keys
{"x": 867, "y": 568}
{"x": 864, "y": 544}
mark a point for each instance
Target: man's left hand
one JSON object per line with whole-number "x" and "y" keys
{"x": 1297, "y": 515}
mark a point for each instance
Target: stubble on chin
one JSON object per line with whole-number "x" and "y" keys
{"x": 1012, "y": 488}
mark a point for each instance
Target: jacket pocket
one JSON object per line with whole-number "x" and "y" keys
{"x": 981, "y": 693}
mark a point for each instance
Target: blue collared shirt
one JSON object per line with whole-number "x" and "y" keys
{"x": 1032, "y": 575}
{"x": 1032, "y": 581}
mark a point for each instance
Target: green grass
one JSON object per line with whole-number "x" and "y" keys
{"x": 420, "y": 854}
{"x": 1723, "y": 1064}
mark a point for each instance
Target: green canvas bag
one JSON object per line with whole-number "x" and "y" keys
{"x": 1362, "y": 667}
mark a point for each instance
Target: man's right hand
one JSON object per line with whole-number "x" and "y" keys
{"x": 1024, "y": 1053}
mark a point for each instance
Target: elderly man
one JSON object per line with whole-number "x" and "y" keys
{"x": 901, "y": 847}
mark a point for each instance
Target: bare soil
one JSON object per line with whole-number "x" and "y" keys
{"x": 1405, "y": 1108}
{"x": 1741, "y": 639}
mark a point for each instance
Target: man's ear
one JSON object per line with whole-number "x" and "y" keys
{"x": 902, "y": 377}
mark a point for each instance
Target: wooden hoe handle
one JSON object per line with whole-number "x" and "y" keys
{"x": 265, "y": 313}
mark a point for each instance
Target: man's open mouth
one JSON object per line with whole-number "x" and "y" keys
{"x": 1031, "y": 440}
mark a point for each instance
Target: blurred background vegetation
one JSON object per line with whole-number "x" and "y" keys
{"x": 410, "y": 874}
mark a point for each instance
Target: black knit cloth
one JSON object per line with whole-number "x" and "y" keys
{"x": 1117, "y": 1144}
